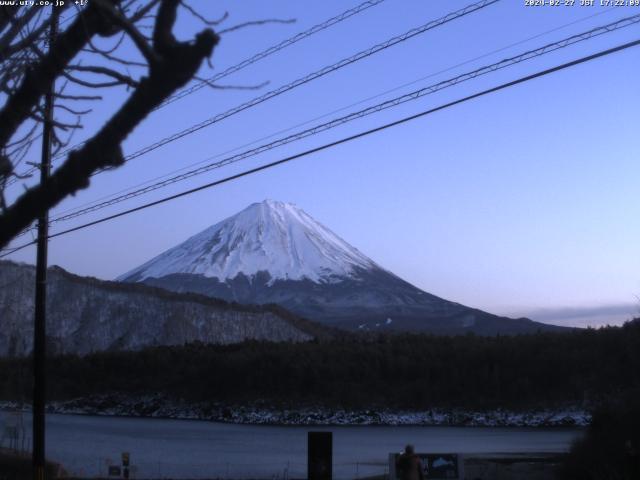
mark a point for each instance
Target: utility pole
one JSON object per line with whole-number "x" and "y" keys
{"x": 40, "y": 321}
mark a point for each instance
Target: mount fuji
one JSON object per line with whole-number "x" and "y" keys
{"x": 275, "y": 253}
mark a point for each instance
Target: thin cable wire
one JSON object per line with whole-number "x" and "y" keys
{"x": 374, "y": 109}
{"x": 271, "y": 50}
{"x": 341, "y": 109}
{"x": 313, "y": 76}
{"x": 256, "y": 58}
{"x": 326, "y": 146}
{"x": 508, "y": 62}
{"x": 310, "y": 77}
{"x": 97, "y": 205}
{"x": 298, "y": 82}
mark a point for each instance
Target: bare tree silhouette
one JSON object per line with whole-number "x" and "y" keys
{"x": 89, "y": 54}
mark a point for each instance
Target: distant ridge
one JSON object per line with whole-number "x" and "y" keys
{"x": 87, "y": 315}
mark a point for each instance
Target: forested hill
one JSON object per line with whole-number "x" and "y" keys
{"x": 408, "y": 371}
{"x": 87, "y": 315}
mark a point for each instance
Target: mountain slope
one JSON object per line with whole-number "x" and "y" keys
{"x": 273, "y": 252}
{"x": 273, "y": 237}
{"x": 86, "y": 315}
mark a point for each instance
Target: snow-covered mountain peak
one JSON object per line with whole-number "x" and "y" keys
{"x": 272, "y": 236}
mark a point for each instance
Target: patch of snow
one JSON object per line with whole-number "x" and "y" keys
{"x": 159, "y": 406}
{"x": 270, "y": 236}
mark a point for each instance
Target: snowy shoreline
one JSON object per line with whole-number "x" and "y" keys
{"x": 157, "y": 406}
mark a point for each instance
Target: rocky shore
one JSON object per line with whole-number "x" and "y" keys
{"x": 158, "y": 406}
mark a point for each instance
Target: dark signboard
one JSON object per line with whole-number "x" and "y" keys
{"x": 114, "y": 470}
{"x": 439, "y": 466}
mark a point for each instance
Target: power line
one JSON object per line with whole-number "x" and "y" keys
{"x": 307, "y": 78}
{"x": 271, "y": 50}
{"x": 313, "y": 76}
{"x": 471, "y": 8}
{"x": 359, "y": 102}
{"x": 376, "y": 108}
{"x": 326, "y": 146}
{"x": 508, "y": 62}
{"x": 257, "y": 57}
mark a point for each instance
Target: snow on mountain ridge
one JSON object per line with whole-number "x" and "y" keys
{"x": 270, "y": 236}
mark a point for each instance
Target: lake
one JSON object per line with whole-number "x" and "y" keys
{"x": 159, "y": 448}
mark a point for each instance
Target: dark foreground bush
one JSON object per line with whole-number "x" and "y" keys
{"x": 18, "y": 467}
{"x": 610, "y": 450}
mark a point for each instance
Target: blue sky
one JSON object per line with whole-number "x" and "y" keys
{"x": 524, "y": 200}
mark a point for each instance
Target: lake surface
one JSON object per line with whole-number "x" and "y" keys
{"x": 160, "y": 448}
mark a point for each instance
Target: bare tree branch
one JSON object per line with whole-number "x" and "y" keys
{"x": 23, "y": 138}
{"x": 211, "y": 23}
{"x": 63, "y": 96}
{"x": 24, "y": 42}
{"x": 17, "y": 24}
{"x": 72, "y": 111}
{"x": 113, "y": 58}
{"x": 120, "y": 77}
{"x": 137, "y": 38}
{"x": 39, "y": 78}
{"x": 174, "y": 65}
{"x": 58, "y": 124}
{"x": 6, "y": 16}
{"x": 142, "y": 12}
{"x": 92, "y": 47}
{"x": 253, "y": 24}
{"x": 163, "y": 38}
{"x": 90, "y": 84}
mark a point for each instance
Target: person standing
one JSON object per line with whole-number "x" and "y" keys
{"x": 408, "y": 465}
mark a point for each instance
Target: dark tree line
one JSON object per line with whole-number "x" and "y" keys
{"x": 413, "y": 371}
